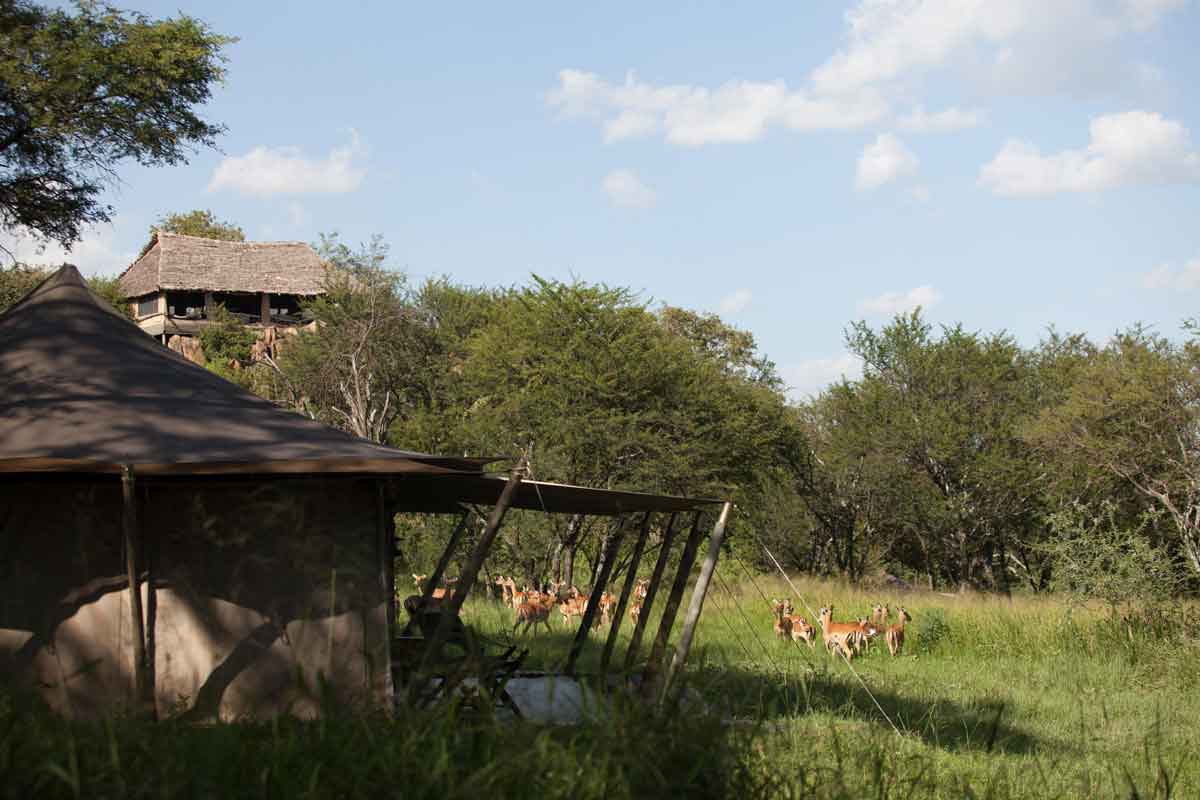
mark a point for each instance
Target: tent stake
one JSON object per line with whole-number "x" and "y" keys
{"x": 650, "y": 676}
{"x": 627, "y": 590}
{"x": 129, "y": 526}
{"x": 660, "y": 566}
{"x": 608, "y": 558}
{"x": 697, "y": 602}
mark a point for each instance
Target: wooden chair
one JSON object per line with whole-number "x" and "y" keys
{"x": 463, "y": 655}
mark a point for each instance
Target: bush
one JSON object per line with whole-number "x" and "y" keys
{"x": 1095, "y": 557}
{"x": 226, "y": 339}
{"x": 930, "y": 628}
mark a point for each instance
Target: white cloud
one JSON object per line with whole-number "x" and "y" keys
{"x": 1133, "y": 147}
{"x": 951, "y": 119}
{"x": 96, "y": 253}
{"x": 736, "y": 302}
{"x": 1031, "y": 45}
{"x": 1165, "y": 276}
{"x": 268, "y": 171}
{"x": 626, "y": 190}
{"x": 737, "y": 111}
{"x": 886, "y": 160}
{"x": 900, "y": 302}
{"x": 1145, "y": 13}
{"x": 809, "y": 378}
{"x": 920, "y": 193}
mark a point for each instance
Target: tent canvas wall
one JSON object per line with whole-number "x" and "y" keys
{"x": 252, "y": 582}
{"x": 259, "y": 596}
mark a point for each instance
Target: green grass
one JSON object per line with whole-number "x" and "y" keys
{"x": 1029, "y": 698}
{"x": 992, "y": 697}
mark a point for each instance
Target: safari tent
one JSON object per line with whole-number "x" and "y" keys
{"x": 174, "y": 544}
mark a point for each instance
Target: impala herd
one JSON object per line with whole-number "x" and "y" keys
{"x": 533, "y": 607}
{"x": 846, "y": 638}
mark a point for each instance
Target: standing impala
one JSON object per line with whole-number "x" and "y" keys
{"x": 895, "y": 634}
{"x": 783, "y": 622}
{"x": 837, "y": 635}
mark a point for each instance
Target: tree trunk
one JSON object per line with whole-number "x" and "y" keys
{"x": 570, "y": 543}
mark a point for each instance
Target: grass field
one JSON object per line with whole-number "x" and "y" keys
{"x": 991, "y": 698}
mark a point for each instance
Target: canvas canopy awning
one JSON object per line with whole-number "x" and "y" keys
{"x": 447, "y": 493}
{"x": 84, "y": 390}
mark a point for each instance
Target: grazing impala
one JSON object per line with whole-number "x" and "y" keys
{"x": 783, "y": 622}
{"x": 867, "y": 631}
{"x": 837, "y": 636}
{"x": 439, "y": 593}
{"x": 534, "y": 613}
{"x": 608, "y": 604}
{"x": 895, "y": 634}
{"x": 573, "y": 606}
{"x": 801, "y": 630}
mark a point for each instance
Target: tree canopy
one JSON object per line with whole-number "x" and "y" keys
{"x": 199, "y": 222}
{"x": 82, "y": 91}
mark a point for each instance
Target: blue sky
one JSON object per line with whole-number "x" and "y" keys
{"x": 792, "y": 167}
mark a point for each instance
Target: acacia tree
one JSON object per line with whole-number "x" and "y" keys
{"x": 611, "y": 395}
{"x": 358, "y": 369}
{"x": 921, "y": 459}
{"x": 198, "y": 222}
{"x": 1133, "y": 412}
{"x": 81, "y": 92}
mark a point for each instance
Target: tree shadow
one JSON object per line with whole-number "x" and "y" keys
{"x": 983, "y": 724}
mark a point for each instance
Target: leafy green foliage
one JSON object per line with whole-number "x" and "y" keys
{"x": 1097, "y": 556}
{"x": 81, "y": 92}
{"x": 225, "y": 338}
{"x": 109, "y": 288}
{"x": 363, "y": 368}
{"x": 920, "y": 461}
{"x": 17, "y": 281}
{"x": 199, "y": 222}
{"x": 1133, "y": 414}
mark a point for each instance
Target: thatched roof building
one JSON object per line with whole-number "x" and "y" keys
{"x": 175, "y": 284}
{"x": 192, "y": 263}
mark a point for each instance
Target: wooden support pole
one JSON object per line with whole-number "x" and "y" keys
{"x": 449, "y": 611}
{"x": 386, "y": 529}
{"x": 608, "y": 558}
{"x": 264, "y": 309}
{"x": 129, "y": 527}
{"x": 435, "y": 579}
{"x": 658, "y": 651}
{"x": 630, "y": 579}
{"x": 660, "y": 566}
{"x": 696, "y": 605}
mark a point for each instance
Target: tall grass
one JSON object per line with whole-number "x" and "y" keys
{"x": 991, "y": 698}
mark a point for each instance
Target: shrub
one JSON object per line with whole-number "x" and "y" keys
{"x": 1095, "y": 557}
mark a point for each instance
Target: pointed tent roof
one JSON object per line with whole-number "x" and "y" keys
{"x": 83, "y": 389}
